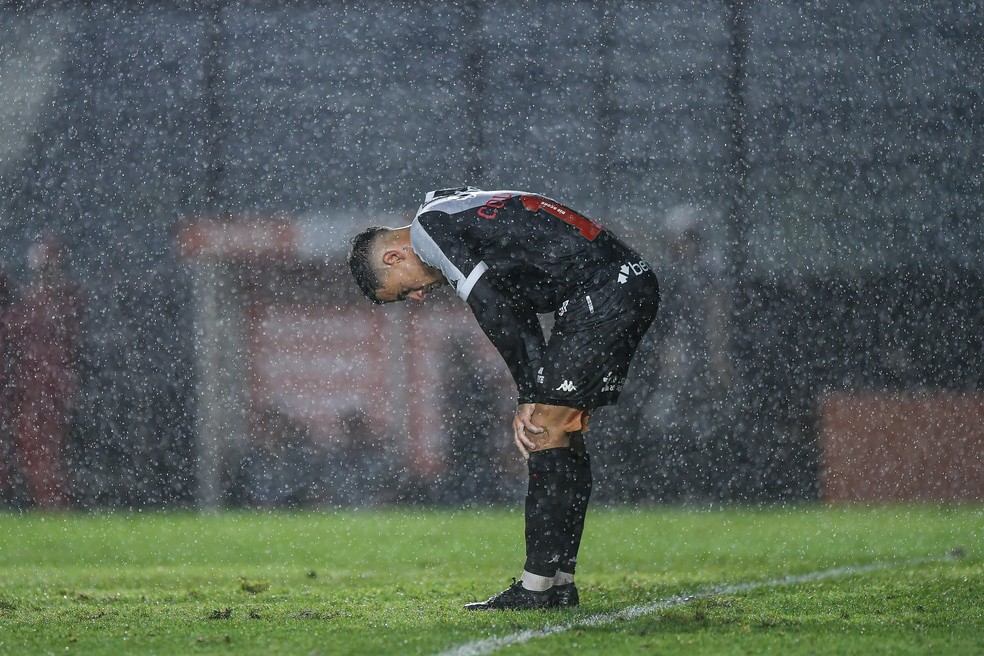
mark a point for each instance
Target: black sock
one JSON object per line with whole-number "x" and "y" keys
{"x": 574, "y": 525}
{"x": 554, "y": 506}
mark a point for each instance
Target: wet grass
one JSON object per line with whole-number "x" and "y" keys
{"x": 393, "y": 582}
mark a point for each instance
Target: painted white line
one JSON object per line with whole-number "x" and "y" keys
{"x": 489, "y": 645}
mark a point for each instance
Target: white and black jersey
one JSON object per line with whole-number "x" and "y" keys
{"x": 513, "y": 254}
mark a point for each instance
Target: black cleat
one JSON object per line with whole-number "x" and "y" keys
{"x": 564, "y": 596}
{"x": 516, "y": 597}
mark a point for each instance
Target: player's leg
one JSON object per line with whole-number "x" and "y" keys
{"x": 551, "y": 493}
{"x": 586, "y": 364}
{"x": 564, "y": 591}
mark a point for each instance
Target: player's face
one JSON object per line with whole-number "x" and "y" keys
{"x": 409, "y": 279}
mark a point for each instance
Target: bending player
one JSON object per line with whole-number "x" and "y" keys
{"x": 512, "y": 255}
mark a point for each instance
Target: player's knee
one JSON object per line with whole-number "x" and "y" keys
{"x": 559, "y": 423}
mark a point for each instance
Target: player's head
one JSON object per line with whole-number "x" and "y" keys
{"x": 364, "y": 263}
{"x": 386, "y": 268}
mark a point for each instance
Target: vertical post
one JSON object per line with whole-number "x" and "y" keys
{"x": 749, "y": 448}
{"x": 214, "y": 122}
{"x": 737, "y": 22}
{"x": 605, "y": 107}
{"x": 210, "y": 425}
{"x": 222, "y": 373}
{"x": 474, "y": 72}
{"x": 208, "y": 361}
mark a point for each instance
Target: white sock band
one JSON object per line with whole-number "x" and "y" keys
{"x": 536, "y": 582}
{"x": 562, "y": 578}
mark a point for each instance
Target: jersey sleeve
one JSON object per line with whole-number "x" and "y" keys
{"x": 437, "y": 242}
{"x": 515, "y": 332}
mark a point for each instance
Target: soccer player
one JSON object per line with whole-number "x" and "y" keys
{"x": 512, "y": 255}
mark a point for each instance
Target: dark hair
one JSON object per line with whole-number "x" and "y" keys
{"x": 362, "y": 264}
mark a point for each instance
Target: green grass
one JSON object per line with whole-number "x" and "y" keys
{"x": 393, "y": 582}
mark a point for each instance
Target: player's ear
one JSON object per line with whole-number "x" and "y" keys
{"x": 393, "y": 256}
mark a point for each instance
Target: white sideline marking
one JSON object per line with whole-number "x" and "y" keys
{"x": 489, "y": 645}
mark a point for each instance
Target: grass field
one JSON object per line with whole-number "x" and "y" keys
{"x": 392, "y": 582}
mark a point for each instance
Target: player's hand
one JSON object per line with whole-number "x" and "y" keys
{"x": 523, "y": 424}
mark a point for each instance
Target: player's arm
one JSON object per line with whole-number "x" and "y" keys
{"x": 513, "y": 329}
{"x": 515, "y": 332}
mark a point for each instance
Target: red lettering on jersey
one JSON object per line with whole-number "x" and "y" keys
{"x": 492, "y": 206}
{"x": 588, "y": 228}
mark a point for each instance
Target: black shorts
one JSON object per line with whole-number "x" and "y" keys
{"x": 595, "y": 334}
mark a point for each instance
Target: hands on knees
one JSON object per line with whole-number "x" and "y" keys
{"x": 537, "y": 426}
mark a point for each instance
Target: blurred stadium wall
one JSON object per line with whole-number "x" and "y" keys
{"x": 850, "y": 132}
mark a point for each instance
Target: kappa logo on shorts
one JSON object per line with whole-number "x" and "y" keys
{"x": 567, "y": 386}
{"x": 635, "y": 268}
{"x": 563, "y": 308}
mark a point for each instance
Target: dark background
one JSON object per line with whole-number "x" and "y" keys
{"x": 832, "y": 150}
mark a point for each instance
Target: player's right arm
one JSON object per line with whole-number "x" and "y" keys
{"x": 511, "y": 326}
{"x": 515, "y": 332}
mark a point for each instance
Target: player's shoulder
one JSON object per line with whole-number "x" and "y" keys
{"x": 450, "y": 192}
{"x": 459, "y": 199}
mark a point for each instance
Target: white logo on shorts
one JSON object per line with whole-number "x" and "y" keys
{"x": 612, "y": 383}
{"x": 567, "y": 386}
